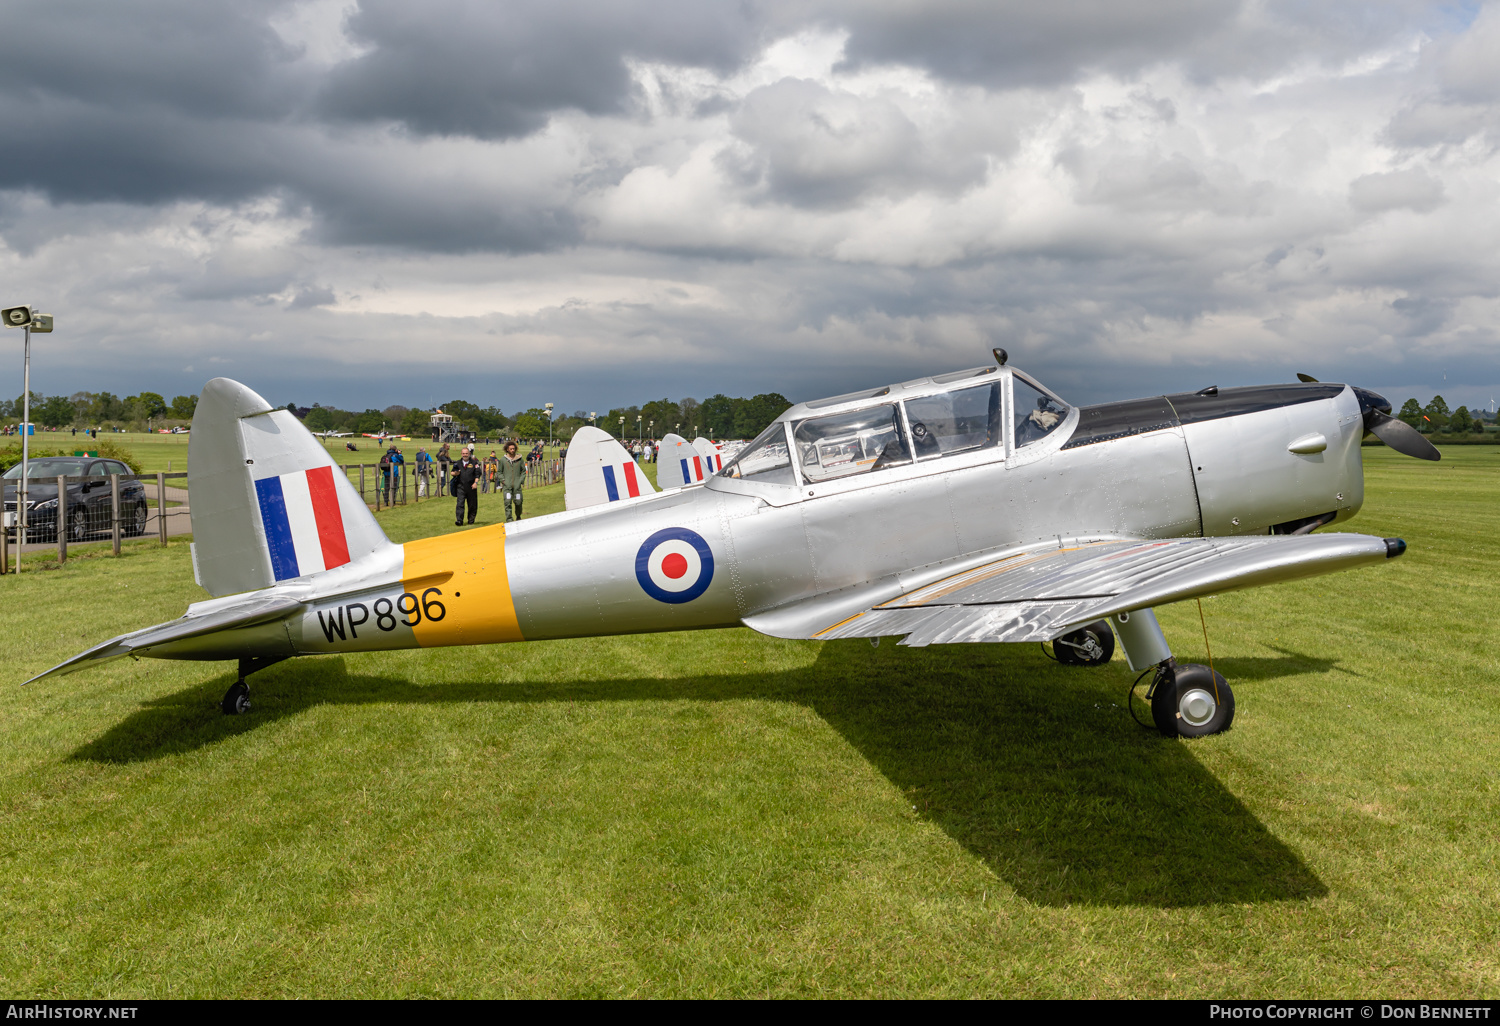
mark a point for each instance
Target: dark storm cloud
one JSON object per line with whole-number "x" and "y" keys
{"x": 201, "y": 58}
{"x": 494, "y": 71}
{"x": 1013, "y": 43}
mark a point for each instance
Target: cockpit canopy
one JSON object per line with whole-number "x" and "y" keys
{"x": 927, "y": 419}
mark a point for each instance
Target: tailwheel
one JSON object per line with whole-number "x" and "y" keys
{"x": 1191, "y": 700}
{"x": 236, "y": 699}
{"x": 1091, "y": 645}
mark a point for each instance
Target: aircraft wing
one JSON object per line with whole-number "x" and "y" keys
{"x": 1040, "y": 592}
{"x": 247, "y": 614}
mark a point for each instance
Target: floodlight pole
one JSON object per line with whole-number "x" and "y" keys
{"x": 25, "y": 446}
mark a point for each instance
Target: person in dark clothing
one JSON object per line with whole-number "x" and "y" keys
{"x": 443, "y": 460}
{"x": 466, "y": 474}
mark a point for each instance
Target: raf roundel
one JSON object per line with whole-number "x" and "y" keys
{"x": 674, "y": 565}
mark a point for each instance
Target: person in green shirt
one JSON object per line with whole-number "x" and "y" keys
{"x": 510, "y": 478}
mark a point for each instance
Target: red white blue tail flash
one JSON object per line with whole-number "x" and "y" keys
{"x": 304, "y": 527}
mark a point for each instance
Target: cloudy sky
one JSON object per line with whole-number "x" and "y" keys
{"x": 594, "y": 203}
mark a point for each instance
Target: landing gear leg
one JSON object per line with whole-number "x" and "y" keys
{"x": 237, "y": 698}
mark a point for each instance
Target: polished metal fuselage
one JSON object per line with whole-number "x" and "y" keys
{"x": 574, "y": 574}
{"x": 1155, "y": 469}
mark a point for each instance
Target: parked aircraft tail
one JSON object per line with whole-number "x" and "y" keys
{"x": 599, "y": 470}
{"x": 269, "y": 504}
{"x": 713, "y": 460}
{"x": 679, "y": 463}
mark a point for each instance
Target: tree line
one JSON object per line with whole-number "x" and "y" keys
{"x": 102, "y": 410}
{"x": 719, "y": 416}
{"x": 1435, "y": 418}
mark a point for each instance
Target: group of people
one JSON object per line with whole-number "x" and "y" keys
{"x": 466, "y": 477}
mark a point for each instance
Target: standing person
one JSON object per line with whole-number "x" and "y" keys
{"x": 443, "y": 459}
{"x": 384, "y": 479}
{"x": 398, "y": 471}
{"x": 511, "y": 479}
{"x": 491, "y": 472}
{"x": 424, "y": 471}
{"x": 466, "y": 473}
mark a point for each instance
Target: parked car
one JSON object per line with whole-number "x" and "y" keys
{"x": 88, "y": 498}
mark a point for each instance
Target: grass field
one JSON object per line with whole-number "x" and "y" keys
{"x": 720, "y": 813}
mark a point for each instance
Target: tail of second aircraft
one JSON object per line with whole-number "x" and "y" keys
{"x": 268, "y": 503}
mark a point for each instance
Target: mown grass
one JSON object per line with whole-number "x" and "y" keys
{"x": 721, "y": 813}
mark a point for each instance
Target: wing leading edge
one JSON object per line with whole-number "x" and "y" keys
{"x": 1039, "y": 592}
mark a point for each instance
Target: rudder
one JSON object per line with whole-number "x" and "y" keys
{"x": 268, "y": 503}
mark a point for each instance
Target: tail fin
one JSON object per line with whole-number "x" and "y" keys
{"x": 598, "y": 469}
{"x": 268, "y": 503}
{"x": 710, "y": 453}
{"x": 679, "y": 463}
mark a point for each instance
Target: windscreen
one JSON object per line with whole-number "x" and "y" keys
{"x": 968, "y": 418}
{"x": 765, "y": 459}
{"x": 850, "y": 443}
{"x": 1037, "y": 415}
{"x": 38, "y": 469}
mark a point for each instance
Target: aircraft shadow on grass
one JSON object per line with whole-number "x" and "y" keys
{"x": 1034, "y": 768}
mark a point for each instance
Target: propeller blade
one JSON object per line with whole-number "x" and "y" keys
{"x": 1307, "y": 378}
{"x": 1400, "y": 435}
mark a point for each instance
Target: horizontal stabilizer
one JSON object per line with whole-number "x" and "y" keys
{"x": 252, "y": 611}
{"x": 1039, "y": 592}
{"x": 599, "y": 470}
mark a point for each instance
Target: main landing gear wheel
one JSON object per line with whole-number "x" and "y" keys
{"x": 236, "y": 699}
{"x": 1090, "y": 645}
{"x": 1191, "y": 701}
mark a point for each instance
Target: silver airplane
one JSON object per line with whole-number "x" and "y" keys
{"x": 975, "y": 506}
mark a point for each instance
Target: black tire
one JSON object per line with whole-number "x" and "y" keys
{"x": 1090, "y": 645}
{"x": 236, "y": 699}
{"x": 78, "y": 524}
{"x": 138, "y": 522}
{"x": 1193, "y": 701}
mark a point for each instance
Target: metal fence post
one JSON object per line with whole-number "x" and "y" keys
{"x": 161, "y": 507}
{"x": 62, "y": 518}
{"x": 114, "y": 510}
{"x": 4, "y": 550}
{"x": 362, "y": 482}
{"x": 403, "y": 484}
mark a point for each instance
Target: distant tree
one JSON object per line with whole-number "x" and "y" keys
{"x": 368, "y": 422}
{"x": 395, "y": 414}
{"x": 417, "y": 422}
{"x": 56, "y": 411}
{"x": 1461, "y": 421}
{"x": 532, "y": 423}
{"x": 1411, "y": 412}
{"x": 152, "y": 405}
{"x": 318, "y": 419}
{"x": 1437, "y": 414}
{"x": 107, "y": 406}
{"x": 753, "y": 416}
{"x": 490, "y": 419}
{"x": 717, "y": 416}
{"x": 664, "y": 413}
{"x": 184, "y": 406}
{"x": 1478, "y": 427}
{"x": 461, "y": 411}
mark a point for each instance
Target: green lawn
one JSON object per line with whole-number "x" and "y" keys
{"x": 721, "y": 813}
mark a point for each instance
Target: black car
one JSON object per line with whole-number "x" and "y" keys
{"x": 88, "y": 498}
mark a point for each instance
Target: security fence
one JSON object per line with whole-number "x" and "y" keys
{"x": 409, "y": 482}
{"x": 93, "y": 508}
